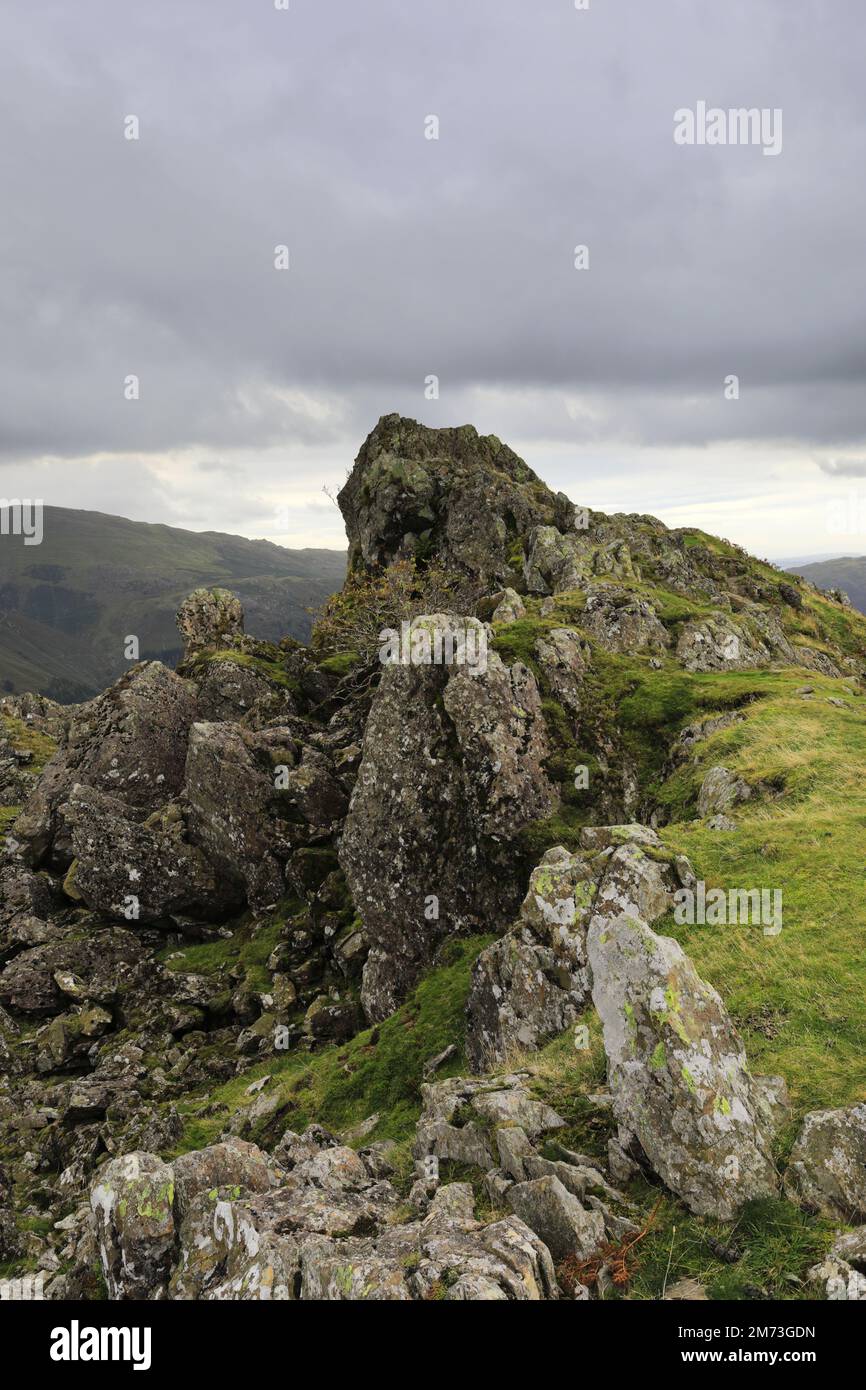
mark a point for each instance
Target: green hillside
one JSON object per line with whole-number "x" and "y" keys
{"x": 67, "y": 606}
{"x": 848, "y": 572}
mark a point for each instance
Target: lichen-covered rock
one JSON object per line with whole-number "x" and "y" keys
{"x": 843, "y": 1271}
{"x": 621, "y": 623}
{"x": 817, "y": 661}
{"x": 103, "y": 961}
{"x": 209, "y": 620}
{"x": 534, "y": 982}
{"x": 132, "y": 1204}
{"x": 230, "y": 690}
{"x": 461, "y": 1115}
{"x": 720, "y": 790}
{"x": 137, "y": 872}
{"x": 342, "y": 1239}
{"x": 555, "y": 562}
{"x": 232, "y": 1164}
{"x": 231, "y": 792}
{"x": 129, "y": 743}
{"x": 22, "y": 894}
{"x": 459, "y": 499}
{"x": 566, "y": 658}
{"x": 718, "y": 644}
{"x": 509, "y": 607}
{"x": 557, "y": 1217}
{"x": 827, "y": 1168}
{"x": 452, "y": 769}
{"x": 635, "y": 884}
{"x": 684, "y": 1099}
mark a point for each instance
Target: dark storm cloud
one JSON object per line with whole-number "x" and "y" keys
{"x": 412, "y": 257}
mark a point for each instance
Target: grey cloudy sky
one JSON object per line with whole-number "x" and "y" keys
{"x": 453, "y": 257}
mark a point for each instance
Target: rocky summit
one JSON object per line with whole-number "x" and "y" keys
{"x": 503, "y": 943}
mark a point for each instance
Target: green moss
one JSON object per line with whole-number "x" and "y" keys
{"x": 340, "y": 664}
{"x": 26, "y": 739}
{"x": 8, "y": 817}
{"x": 271, "y": 668}
{"x": 379, "y": 1070}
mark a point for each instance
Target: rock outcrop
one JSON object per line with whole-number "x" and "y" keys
{"x": 452, "y": 768}
{"x": 245, "y": 863}
{"x": 420, "y": 492}
{"x": 129, "y": 743}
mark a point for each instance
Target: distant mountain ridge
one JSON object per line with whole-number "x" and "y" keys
{"x": 67, "y": 606}
{"x": 846, "y": 572}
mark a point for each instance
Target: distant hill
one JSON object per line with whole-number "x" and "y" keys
{"x": 848, "y": 572}
{"x": 67, "y": 605}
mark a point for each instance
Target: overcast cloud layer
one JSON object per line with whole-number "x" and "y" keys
{"x": 452, "y": 257}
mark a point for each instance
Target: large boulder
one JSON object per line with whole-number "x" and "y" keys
{"x": 231, "y": 794}
{"x": 100, "y": 963}
{"x": 720, "y": 790}
{"x": 565, "y": 657}
{"x": 684, "y": 1099}
{"x": 229, "y": 689}
{"x": 452, "y": 769}
{"x": 536, "y": 980}
{"x": 827, "y": 1169}
{"x": 622, "y": 623}
{"x": 232, "y": 1164}
{"x": 450, "y": 497}
{"x": 718, "y": 643}
{"x": 461, "y": 1117}
{"x": 139, "y": 872}
{"x": 130, "y": 743}
{"x": 556, "y": 561}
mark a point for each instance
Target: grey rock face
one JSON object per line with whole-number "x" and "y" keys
{"x": 138, "y": 872}
{"x": 129, "y": 743}
{"x": 683, "y": 1093}
{"x": 534, "y": 982}
{"x": 229, "y": 691}
{"x": 460, "y": 1114}
{"x": 555, "y": 562}
{"x": 223, "y": 1224}
{"x": 234, "y": 1163}
{"x": 34, "y": 982}
{"x": 566, "y": 658}
{"x": 557, "y": 1217}
{"x": 635, "y": 884}
{"x": 509, "y": 607}
{"x": 718, "y": 644}
{"x": 720, "y": 790}
{"x": 231, "y": 793}
{"x": 458, "y": 498}
{"x": 622, "y": 624}
{"x": 827, "y": 1168}
{"x": 451, "y": 771}
{"x": 132, "y": 1206}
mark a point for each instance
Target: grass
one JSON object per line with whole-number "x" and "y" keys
{"x": 272, "y": 670}
{"x": 776, "y": 1243}
{"x": 799, "y": 999}
{"x": 379, "y": 1070}
{"x": 249, "y": 946}
{"x": 27, "y": 739}
{"x": 8, "y": 817}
